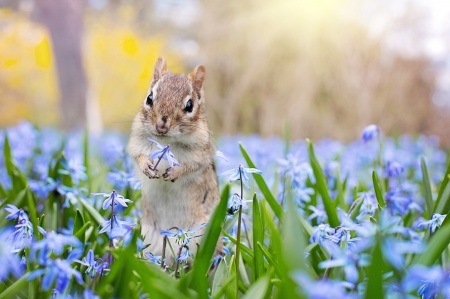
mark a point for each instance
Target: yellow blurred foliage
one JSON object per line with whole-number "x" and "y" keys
{"x": 43, "y": 53}
{"x": 118, "y": 62}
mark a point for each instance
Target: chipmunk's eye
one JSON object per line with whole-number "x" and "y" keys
{"x": 189, "y": 106}
{"x": 150, "y": 99}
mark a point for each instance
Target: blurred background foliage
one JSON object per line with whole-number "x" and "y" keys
{"x": 319, "y": 66}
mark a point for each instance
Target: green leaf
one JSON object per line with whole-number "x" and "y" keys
{"x": 220, "y": 278}
{"x": 355, "y": 209}
{"x": 92, "y": 211}
{"x": 293, "y": 238}
{"x": 308, "y": 229}
{"x": 443, "y": 205}
{"x": 321, "y": 187}
{"x": 81, "y": 232}
{"x": 426, "y": 187}
{"x": 243, "y": 247}
{"x": 3, "y": 193}
{"x": 437, "y": 244}
{"x": 377, "y": 188}
{"x": 442, "y": 188}
{"x": 15, "y": 288}
{"x": 79, "y": 221}
{"x": 271, "y": 261}
{"x": 263, "y": 186}
{"x": 258, "y": 289}
{"x": 375, "y": 274}
{"x": 19, "y": 182}
{"x": 208, "y": 246}
{"x": 258, "y": 237}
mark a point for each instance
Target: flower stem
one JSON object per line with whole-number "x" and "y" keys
{"x": 238, "y": 238}
{"x": 178, "y": 260}
{"x": 163, "y": 255}
{"x": 162, "y": 155}
{"x": 111, "y": 241}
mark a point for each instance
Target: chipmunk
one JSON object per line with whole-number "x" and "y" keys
{"x": 173, "y": 112}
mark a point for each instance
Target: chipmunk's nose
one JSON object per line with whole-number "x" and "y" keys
{"x": 162, "y": 126}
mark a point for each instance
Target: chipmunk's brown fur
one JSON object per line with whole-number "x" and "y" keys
{"x": 184, "y": 196}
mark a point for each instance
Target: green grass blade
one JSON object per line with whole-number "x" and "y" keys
{"x": 258, "y": 289}
{"x": 426, "y": 187}
{"x": 271, "y": 261}
{"x": 18, "y": 180}
{"x": 377, "y": 189}
{"x": 243, "y": 247}
{"x": 263, "y": 186}
{"x": 208, "y": 245}
{"x": 437, "y": 244}
{"x": 258, "y": 237}
{"x": 375, "y": 274}
{"x": 443, "y": 205}
{"x": 16, "y": 287}
{"x": 442, "y": 188}
{"x": 293, "y": 239}
{"x": 321, "y": 187}
{"x": 81, "y": 232}
{"x": 79, "y": 221}
{"x": 92, "y": 211}
{"x": 220, "y": 278}
{"x": 308, "y": 229}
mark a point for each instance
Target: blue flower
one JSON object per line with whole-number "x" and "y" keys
{"x": 15, "y": 213}
{"x": 370, "y": 132}
{"x": 349, "y": 260}
{"x": 434, "y": 223}
{"x": 430, "y": 281}
{"x": 368, "y": 206}
{"x": 320, "y": 234}
{"x": 90, "y": 262}
{"x": 183, "y": 237}
{"x": 111, "y": 198}
{"x": 163, "y": 153}
{"x": 155, "y": 259}
{"x": 322, "y": 289}
{"x": 22, "y": 236}
{"x": 185, "y": 254}
{"x": 238, "y": 172}
{"x": 11, "y": 265}
{"x": 394, "y": 250}
{"x": 119, "y": 179}
{"x": 303, "y": 195}
{"x": 234, "y": 202}
{"x": 56, "y": 270}
{"x": 394, "y": 169}
{"x": 320, "y": 214}
{"x": 118, "y": 226}
{"x": 76, "y": 170}
{"x": 88, "y": 294}
{"x": 53, "y": 243}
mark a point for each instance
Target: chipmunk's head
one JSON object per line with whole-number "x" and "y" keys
{"x": 174, "y": 102}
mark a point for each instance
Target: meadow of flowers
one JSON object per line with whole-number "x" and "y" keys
{"x": 330, "y": 220}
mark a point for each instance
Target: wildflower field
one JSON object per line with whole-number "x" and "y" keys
{"x": 330, "y": 220}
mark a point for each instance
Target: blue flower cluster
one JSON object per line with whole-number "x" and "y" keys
{"x": 384, "y": 194}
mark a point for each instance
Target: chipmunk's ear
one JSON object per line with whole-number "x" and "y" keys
{"x": 160, "y": 69}
{"x": 197, "y": 77}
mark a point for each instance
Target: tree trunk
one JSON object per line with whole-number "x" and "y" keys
{"x": 64, "y": 20}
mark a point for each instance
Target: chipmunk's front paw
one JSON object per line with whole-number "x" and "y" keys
{"x": 149, "y": 171}
{"x": 171, "y": 174}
